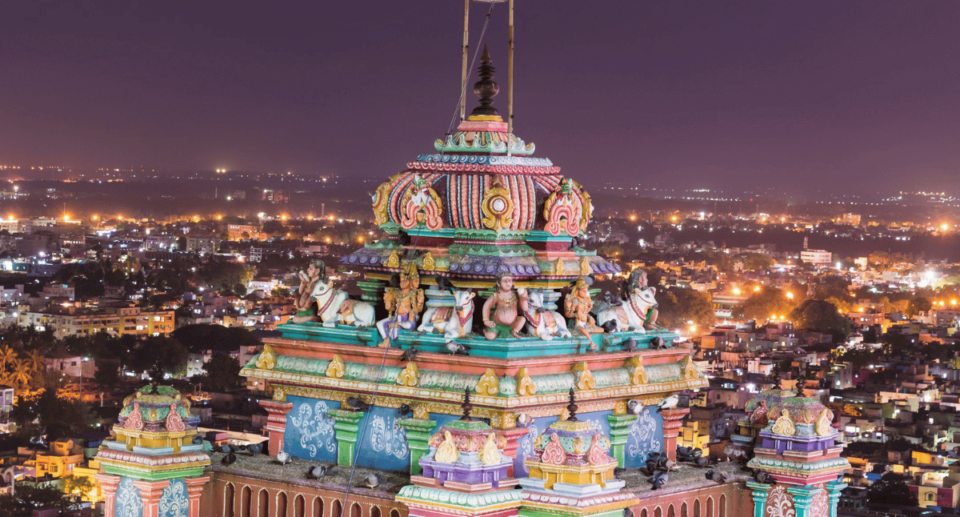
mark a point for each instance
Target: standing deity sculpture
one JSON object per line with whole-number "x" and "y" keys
{"x": 316, "y": 270}
{"x": 577, "y": 306}
{"x": 404, "y": 305}
{"x": 508, "y": 306}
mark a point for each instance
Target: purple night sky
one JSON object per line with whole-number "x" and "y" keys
{"x": 811, "y": 94}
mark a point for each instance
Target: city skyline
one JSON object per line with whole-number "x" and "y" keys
{"x": 769, "y": 94}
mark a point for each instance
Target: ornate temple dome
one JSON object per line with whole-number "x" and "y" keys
{"x": 483, "y": 177}
{"x": 161, "y": 410}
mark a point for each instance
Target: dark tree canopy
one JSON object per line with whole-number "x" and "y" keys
{"x": 198, "y": 338}
{"x": 884, "y": 491}
{"x": 221, "y": 373}
{"x": 820, "y": 316}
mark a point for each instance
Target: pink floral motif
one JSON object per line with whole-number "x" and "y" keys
{"x": 174, "y": 421}
{"x": 554, "y": 454}
{"x": 820, "y": 504}
{"x": 135, "y": 420}
{"x": 597, "y": 455}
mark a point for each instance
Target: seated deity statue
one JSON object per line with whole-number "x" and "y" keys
{"x": 404, "y": 305}
{"x": 503, "y": 311}
{"x": 577, "y": 306}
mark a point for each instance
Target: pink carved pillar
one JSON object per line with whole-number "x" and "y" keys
{"x": 150, "y": 493}
{"x": 195, "y": 490}
{"x": 672, "y": 421}
{"x": 513, "y": 441}
{"x": 276, "y": 423}
{"x": 109, "y": 484}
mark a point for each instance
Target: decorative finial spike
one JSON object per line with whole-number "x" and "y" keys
{"x": 572, "y": 406}
{"x": 486, "y": 88}
{"x": 466, "y": 407}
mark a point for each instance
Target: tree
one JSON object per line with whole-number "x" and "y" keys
{"x": 240, "y": 289}
{"x": 820, "y": 316}
{"x": 885, "y": 491}
{"x": 26, "y": 499}
{"x": 917, "y": 305}
{"x": 56, "y": 417}
{"x": 107, "y": 375}
{"x": 765, "y": 304}
{"x": 221, "y": 373}
{"x": 81, "y": 487}
{"x": 679, "y": 305}
{"x": 158, "y": 355}
{"x": 199, "y": 338}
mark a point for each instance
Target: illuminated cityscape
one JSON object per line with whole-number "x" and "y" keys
{"x": 724, "y": 282}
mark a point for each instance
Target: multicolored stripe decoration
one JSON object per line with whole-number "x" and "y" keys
{"x": 458, "y": 198}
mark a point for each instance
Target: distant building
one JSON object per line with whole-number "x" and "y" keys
{"x": 203, "y": 244}
{"x": 75, "y": 321}
{"x": 275, "y": 196}
{"x": 819, "y": 258}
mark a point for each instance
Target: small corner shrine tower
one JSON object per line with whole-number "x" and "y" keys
{"x": 152, "y": 468}
{"x": 798, "y": 448}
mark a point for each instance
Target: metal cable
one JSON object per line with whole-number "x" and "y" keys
{"x": 413, "y": 246}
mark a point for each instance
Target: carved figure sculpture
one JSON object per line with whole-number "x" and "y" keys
{"x": 577, "y": 306}
{"x": 452, "y": 322}
{"x": 542, "y": 323}
{"x": 509, "y": 304}
{"x": 335, "y": 306}
{"x": 404, "y": 304}
{"x": 563, "y": 211}
{"x": 639, "y": 310}
{"x": 304, "y": 301}
{"x": 421, "y": 205}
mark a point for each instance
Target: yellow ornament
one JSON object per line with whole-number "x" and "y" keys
{"x": 489, "y": 383}
{"x": 525, "y": 385}
{"x": 393, "y": 260}
{"x": 409, "y": 376}
{"x": 447, "y": 451}
{"x": 336, "y": 368}
{"x": 267, "y": 359}
{"x": 583, "y": 376}
{"x": 497, "y": 207}
{"x": 490, "y": 455}
{"x": 638, "y": 375}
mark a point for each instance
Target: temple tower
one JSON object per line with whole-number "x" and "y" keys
{"x": 571, "y": 473}
{"x": 152, "y": 468}
{"x": 464, "y": 473}
{"x": 798, "y": 448}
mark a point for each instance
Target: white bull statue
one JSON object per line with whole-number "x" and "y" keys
{"x": 335, "y": 306}
{"x": 634, "y": 314}
{"x": 542, "y": 323}
{"x": 453, "y": 322}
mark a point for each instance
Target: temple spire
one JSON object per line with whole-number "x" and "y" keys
{"x": 466, "y": 407}
{"x": 486, "y": 88}
{"x": 572, "y": 406}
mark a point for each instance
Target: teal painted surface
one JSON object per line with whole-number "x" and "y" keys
{"x": 174, "y": 501}
{"x": 128, "y": 502}
{"x": 479, "y": 347}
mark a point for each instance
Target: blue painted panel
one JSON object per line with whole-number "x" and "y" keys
{"x": 442, "y": 420}
{"x": 646, "y": 436}
{"x": 174, "y": 501}
{"x": 128, "y": 502}
{"x": 381, "y": 442}
{"x": 310, "y": 434}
